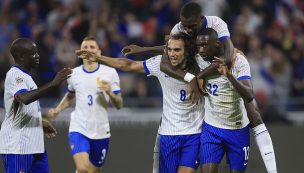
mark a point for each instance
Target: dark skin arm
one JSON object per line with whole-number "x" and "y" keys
{"x": 134, "y": 49}
{"x": 244, "y": 87}
{"x": 31, "y": 96}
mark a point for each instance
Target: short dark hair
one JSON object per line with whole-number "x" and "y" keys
{"x": 208, "y": 31}
{"x": 191, "y": 9}
{"x": 189, "y": 47}
{"x": 19, "y": 47}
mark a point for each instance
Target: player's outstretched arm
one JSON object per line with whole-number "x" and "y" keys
{"x": 123, "y": 64}
{"x": 30, "y": 96}
{"x": 67, "y": 101}
{"x": 135, "y": 49}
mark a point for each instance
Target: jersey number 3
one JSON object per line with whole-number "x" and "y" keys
{"x": 90, "y": 100}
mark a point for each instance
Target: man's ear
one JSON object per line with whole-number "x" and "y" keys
{"x": 218, "y": 44}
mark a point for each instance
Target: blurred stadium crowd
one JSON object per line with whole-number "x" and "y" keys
{"x": 270, "y": 32}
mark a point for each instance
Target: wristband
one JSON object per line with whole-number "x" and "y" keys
{"x": 188, "y": 77}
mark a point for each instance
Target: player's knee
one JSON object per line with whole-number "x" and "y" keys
{"x": 82, "y": 169}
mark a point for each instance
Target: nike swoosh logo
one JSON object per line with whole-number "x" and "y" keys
{"x": 268, "y": 153}
{"x": 166, "y": 76}
{"x": 31, "y": 88}
{"x": 245, "y": 163}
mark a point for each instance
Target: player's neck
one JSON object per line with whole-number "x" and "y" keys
{"x": 22, "y": 67}
{"x": 90, "y": 66}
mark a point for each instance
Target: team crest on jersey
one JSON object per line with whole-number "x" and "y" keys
{"x": 19, "y": 80}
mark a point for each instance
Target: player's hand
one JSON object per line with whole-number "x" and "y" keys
{"x": 104, "y": 86}
{"x": 85, "y": 54}
{"x": 131, "y": 49}
{"x": 195, "y": 93}
{"x": 52, "y": 113}
{"x": 61, "y": 76}
{"x": 221, "y": 66}
{"x": 48, "y": 129}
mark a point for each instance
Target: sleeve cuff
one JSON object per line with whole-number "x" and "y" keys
{"x": 146, "y": 68}
{"x": 116, "y": 91}
{"x": 223, "y": 37}
{"x": 243, "y": 77}
{"x": 70, "y": 91}
{"x": 20, "y": 91}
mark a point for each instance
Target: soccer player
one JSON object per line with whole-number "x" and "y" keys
{"x": 225, "y": 126}
{"x": 92, "y": 85}
{"x": 181, "y": 121}
{"x": 22, "y": 142}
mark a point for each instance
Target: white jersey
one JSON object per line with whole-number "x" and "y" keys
{"x": 180, "y": 116}
{"x": 224, "y": 107}
{"x": 213, "y": 22}
{"x": 90, "y": 116}
{"x": 21, "y": 131}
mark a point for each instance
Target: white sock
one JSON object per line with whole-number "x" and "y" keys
{"x": 263, "y": 140}
{"x": 156, "y": 155}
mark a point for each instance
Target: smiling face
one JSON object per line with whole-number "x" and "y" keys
{"x": 90, "y": 45}
{"x": 176, "y": 51}
{"x": 207, "y": 47}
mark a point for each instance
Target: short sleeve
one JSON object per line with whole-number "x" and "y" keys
{"x": 218, "y": 25}
{"x": 241, "y": 68}
{"x": 115, "y": 83}
{"x": 17, "y": 83}
{"x": 152, "y": 66}
{"x": 70, "y": 84}
{"x": 176, "y": 29}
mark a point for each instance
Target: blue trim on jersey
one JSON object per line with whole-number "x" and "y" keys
{"x": 70, "y": 91}
{"x": 20, "y": 91}
{"x": 205, "y": 22}
{"x": 244, "y": 77}
{"x": 90, "y": 71}
{"x": 117, "y": 92}
{"x": 224, "y": 37}
{"x": 21, "y": 70}
{"x": 146, "y": 68}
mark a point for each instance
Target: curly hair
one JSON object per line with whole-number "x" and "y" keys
{"x": 190, "y": 50}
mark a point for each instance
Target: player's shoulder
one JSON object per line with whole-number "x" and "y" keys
{"x": 16, "y": 72}
{"x": 239, "y": 58}
{"x": 105, "y": 68}
{"x": 176, "y": 29}
{"x": 77, "y": 69}
{"x": 155, "y": 59}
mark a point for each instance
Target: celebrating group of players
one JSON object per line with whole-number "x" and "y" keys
{"x": 208, "y": 103}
